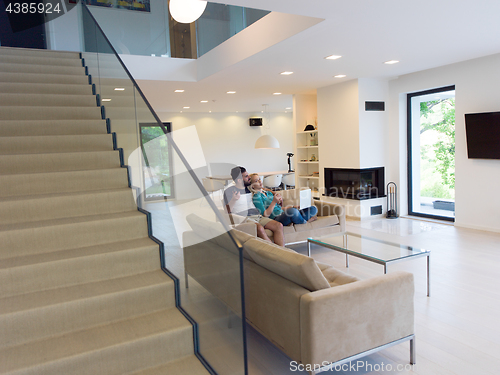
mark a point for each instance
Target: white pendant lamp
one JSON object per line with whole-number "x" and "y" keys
{"x": 267, "y": 141}
{"x": 186, "y": 11}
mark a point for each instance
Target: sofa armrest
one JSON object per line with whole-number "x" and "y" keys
{"x": 232, "y": 219}
{"x": 328, "y": 209}
{"x": 249, "y": 228}
{"x": 345, "y": 320}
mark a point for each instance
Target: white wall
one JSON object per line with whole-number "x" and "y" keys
{"x": 338, "y": 126}
{"x": 228, "y": 138}
{"x": 477, "y": 85}
{"x": 305, "y": 111}
{"x": 63, "y": 33}
{"x": 373, "y": 129}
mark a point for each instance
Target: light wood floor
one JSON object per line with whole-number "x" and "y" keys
{"x": 457, "y": 328}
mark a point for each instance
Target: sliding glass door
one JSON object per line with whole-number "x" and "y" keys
{"x": 431, "y": 153}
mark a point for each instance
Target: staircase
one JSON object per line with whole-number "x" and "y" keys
{"x": 81, "y": 289}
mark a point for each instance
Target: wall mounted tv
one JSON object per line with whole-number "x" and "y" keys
{"x": 483, "y": 135}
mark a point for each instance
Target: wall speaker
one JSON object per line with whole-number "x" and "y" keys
{"x": 374, "y": 106}
{"x": 256, "y": 121}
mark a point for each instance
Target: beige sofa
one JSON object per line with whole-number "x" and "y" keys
{"x": 314, "y": 313}
{"x": 331, "y": 219}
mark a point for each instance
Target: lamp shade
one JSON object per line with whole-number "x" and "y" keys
{"x": 267, "y": 141}
{"x": 186, "y": 11}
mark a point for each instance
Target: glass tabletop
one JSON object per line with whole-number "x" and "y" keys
{"x": 368, "y": 247}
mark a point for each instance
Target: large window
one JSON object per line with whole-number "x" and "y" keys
{"x": 431, "y": 153}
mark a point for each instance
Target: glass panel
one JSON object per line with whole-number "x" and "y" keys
{"x": 157, "y": 160}
{"x": 220, "y": 22}
{"x": 369, "y": 247}
{"x": 165, "y": 169}
{"x": 134, "y": 32}
{"x": 432, "y": 151}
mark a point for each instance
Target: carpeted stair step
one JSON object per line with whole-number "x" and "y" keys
{"x": 48, "y": 113}
{"x": 37, "y": 60}
{"x": 14, "y": 128}
{"x": 48, "y": 313}
{"x": 60, "y": 161}
{"x": 56, "y": 143}
{"x": 46, "y": 271}
{"x": 44, "y": 78}
{"x": 187, "y": 365}
{"x": 109, "y": 91}
{"x": 41, "y": 69}
{"x": 82, "y": 290}
{"x": 43, "y": 88}
{"x": 118, "y": 101}
{"x": 126, "y": 112}
{"x": 37, "y": 100}
{"x": 70, "y": 233}
{"x": 27, "y": 53}
{"x": 15, "y": 185}
{"x": 28, "y": 209}
{"x": 114, "y": 349}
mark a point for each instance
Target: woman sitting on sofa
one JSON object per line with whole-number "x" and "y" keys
{"x": 270, "y": 205}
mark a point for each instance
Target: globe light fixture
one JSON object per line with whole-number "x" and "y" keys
{"x": 267, "y": 141}
{"x": 186, "y": 11}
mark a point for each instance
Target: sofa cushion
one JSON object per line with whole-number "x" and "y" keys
{"x": 215, "y": 232}
{"x": 298, "y": 268}
{"x": 288, "y": 229}
{"x": 334, "y": 276}
{"x": 322, "y": 222}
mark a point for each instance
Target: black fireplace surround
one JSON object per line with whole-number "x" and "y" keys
{"x": 356, "y": 184}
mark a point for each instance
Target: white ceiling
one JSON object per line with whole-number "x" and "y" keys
{"x": 420, "y": 34}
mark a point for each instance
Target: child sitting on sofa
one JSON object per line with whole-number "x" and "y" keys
{"x": 270, "y": 205}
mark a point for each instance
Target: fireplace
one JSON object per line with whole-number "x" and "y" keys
{"x": 357, "y": 184}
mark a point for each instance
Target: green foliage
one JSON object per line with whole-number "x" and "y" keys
{"x": 439, "y": 116}
{"x": 156, "y": 156}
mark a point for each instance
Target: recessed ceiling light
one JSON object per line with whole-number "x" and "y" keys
{"x": 185, "y": 107}
{"x": 119, "y": 89}
{"x": 209, "y": 111}
{"x": 277, "y": 93}
{"x": 106, "y": 100}
{"x": 231, "y": 92}
{"x": 286, "y": 73}
{"x": 288, "y": 108}
{"x": 179, "y": 91}
{"x": 340, "y": 76}
{"x": 391, "y": 62}
{"x": 204, "y": 101}
{"x": 333, "y": 57}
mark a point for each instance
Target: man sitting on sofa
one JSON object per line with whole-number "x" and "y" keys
{"x": 238, "y": 200}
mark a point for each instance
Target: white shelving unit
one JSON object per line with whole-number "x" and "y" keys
{"x": 307, "y": 162}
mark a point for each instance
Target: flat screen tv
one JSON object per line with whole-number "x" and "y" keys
{"x": 483, "y": 135}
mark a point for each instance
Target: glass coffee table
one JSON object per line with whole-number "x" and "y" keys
{"x": 371, "y": 249}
